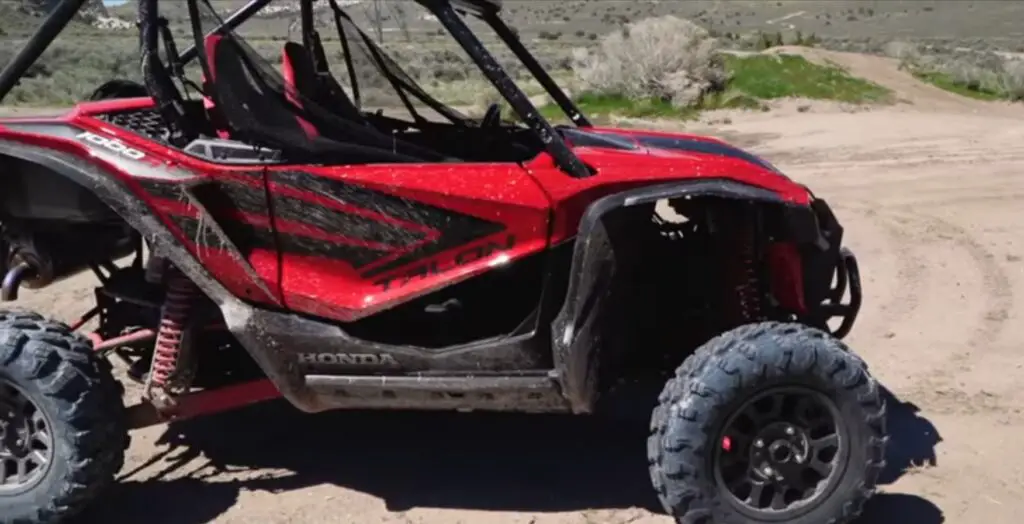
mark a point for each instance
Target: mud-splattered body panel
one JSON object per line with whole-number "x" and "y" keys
{"x": 345, "y": 242}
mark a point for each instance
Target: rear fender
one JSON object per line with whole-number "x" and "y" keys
{"x": 77, "y": 164}
{"x": 577, "y": 336}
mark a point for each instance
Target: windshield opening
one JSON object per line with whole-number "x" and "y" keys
{"x": 369, "y": 74}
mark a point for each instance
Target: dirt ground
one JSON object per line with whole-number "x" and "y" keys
{"x": 930, "y": 193}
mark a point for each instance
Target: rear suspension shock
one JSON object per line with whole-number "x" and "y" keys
{"x": 171, "y": 339}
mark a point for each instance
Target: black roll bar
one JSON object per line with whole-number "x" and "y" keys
{"x": 231, "y": 23}
{"x": 523, "y": 54}
{"x": 489, "y": 66}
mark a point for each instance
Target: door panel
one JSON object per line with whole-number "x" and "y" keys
{"x": 360, "y": 239}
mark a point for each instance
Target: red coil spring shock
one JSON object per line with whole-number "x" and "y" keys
{"x": 747, "y": 282}
{"x": 743, "y": 302}
{"x": 180, "y": 296}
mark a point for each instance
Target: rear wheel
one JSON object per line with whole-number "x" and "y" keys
{"x": 769, "y": 422}
{"x": 62, "y": 430}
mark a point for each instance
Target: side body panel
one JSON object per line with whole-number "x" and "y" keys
{"x": 357, "y": 240}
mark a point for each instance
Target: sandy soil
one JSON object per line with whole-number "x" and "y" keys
{"x": 930, "y": 193}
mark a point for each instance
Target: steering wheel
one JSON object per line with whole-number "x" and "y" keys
{"x": 492, "y": 117}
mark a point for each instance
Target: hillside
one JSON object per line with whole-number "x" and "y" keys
{"x": 93, "y": 13}
{"x": 854, "y": 23}
{"x": 958, "y": 44}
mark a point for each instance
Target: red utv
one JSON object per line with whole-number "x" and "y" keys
{"x": 270, "y": 230}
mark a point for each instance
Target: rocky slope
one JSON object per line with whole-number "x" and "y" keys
{"x": 93, "y": 12}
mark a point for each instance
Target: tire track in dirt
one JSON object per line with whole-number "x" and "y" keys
{"x": 984, "y": 281}
{"x": 996, "y": 284}
{"x": 939, "y": 300}
{"x": 916, "y": 244}
{"x": 901, "y": 297}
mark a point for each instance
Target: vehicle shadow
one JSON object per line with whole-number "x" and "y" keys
{"x": 913, "y": 439}
{"x": 900, "y": 508}
{"x": 912, "y": 444}
{"x": 498, "y": 462}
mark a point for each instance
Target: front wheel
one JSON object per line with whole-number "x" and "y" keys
{"x": 62, "y": 430}
{"x": 769, "y": 422}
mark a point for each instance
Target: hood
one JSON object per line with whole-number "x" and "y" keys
{"x": 652, "y": 155}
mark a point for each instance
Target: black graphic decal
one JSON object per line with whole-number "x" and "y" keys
{"x": 452, "y": 229}
{"x": 385, "y": 225}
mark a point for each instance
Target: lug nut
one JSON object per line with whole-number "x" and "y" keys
{"x": 758, "y": 443}
{"x": 768, "y": 471}
{"x": 790, "y": 431}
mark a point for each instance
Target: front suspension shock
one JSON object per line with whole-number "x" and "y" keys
{"x": 744, "y": 298}
{"x": 746, "y": 281}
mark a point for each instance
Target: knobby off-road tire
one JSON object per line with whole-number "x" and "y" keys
{"x": 81, "y": 403}
{"x": 688, "y": 428}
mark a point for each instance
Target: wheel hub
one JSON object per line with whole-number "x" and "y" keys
{"x": 26, "y": 445}
{"x": 780, "y": 451}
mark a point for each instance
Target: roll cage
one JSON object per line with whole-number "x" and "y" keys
{"x": 444, "y": 10}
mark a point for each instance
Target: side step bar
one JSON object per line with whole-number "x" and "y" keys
{"x": 533, "y": 394}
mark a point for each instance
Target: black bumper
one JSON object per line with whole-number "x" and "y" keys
{"x": 831, "y": 276}
{"x": 847, "y": 276}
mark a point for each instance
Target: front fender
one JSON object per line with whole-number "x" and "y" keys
{"x": 577, "y": 340}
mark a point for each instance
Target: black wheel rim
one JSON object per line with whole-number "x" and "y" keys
{"x": 781, "y": 451}
{"x": 26, "y": 441}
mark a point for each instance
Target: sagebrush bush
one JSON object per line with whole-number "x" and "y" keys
{"x": 1011, "y": 81}
{"x": 984, "y": 72}
{"x": 907, "y": 53}
{"x": 69, "y": 71}
{"x": 664, "y": 58}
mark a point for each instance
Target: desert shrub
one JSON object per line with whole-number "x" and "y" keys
{"x": 899, "y": 49}
{"x": 1011, "y": 80}
{"x": 982, "y": 74}
{"x": 801, "y": 39}
{"x": 69, "y": 71}
{"x": 769, "y": 40}
{"x": 665, "y": 58}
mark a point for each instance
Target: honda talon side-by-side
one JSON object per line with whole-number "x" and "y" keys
{"x": 265, "y": 227}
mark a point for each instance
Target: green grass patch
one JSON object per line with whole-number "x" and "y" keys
{"x": 604, "y": 106}
{"x": 947, "y": 82}
{"x": 767, "y": 77}
{"x": 753, "y": 79}
{"x": 597, "y": 105}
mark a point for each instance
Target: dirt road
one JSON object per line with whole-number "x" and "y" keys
{"x": 931, "y": 198}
